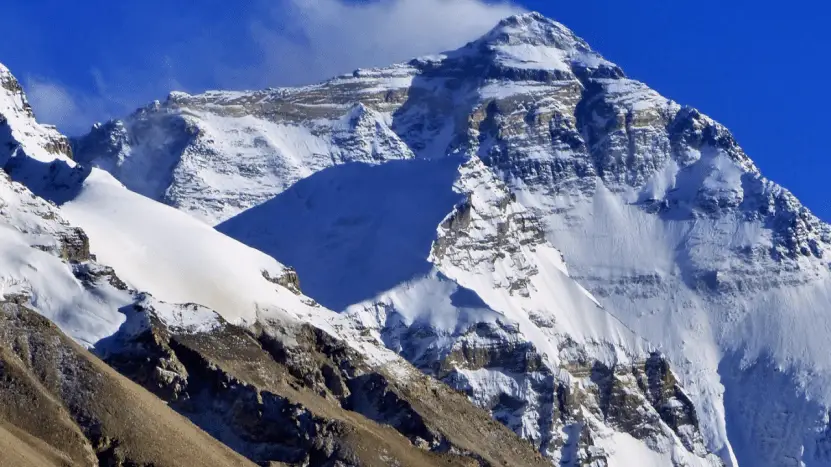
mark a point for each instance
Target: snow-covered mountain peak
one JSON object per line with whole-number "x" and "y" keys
{"x": 656, "y": 208}
{"x": 532, "y": 28}
{"x": 19, "y": 130}
{"x": 530, "y": 41}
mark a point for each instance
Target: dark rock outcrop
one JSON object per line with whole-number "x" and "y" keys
{"x": 294, "y": 394}
{"x": 69, "y": 408}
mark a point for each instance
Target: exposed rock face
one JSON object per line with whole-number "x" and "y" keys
{"x": 488, "y": 308}
{"x": 68, "y": 407}
{"x": 666, "y": 395}
{"x": 288, "y": 279}
{"x": 291, "y": 393}
{"x": 74, "y": 245}
{"x": 14, "y": 109}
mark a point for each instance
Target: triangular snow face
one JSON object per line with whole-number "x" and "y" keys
{"x": 534, "y": 42}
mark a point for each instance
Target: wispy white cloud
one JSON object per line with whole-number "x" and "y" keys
{"x": 309, "y": 40}
{"x": 286, "y": 42}
{"x": 74, "y": 110}
{"x": 54, "y": 103}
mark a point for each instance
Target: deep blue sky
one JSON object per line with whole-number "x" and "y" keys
{"x": 759, "y": 67}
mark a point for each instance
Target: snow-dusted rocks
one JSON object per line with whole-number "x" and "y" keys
{"x": 663, "y": 217}
{"x": 16, "y": 130}
{"x": 438, "y": 261}
{"x": 217, "y": 154}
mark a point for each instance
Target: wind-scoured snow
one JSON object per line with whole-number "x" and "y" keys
{"x": 215, "y": 164}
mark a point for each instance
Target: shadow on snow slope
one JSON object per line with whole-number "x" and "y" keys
{"x": 355, "y": 230}
{"x": 767, "y": 414}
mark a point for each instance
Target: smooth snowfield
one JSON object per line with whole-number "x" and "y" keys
{"x": 52, "y": 288}
{"x": 170, "y": 254}
{"x": 180, "y": 260}
{"x": 356, "y": 230}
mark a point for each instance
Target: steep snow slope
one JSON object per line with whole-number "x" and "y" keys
{"x": 36, "y": 244}
{"x": 177, "y": 258}
{"x": 40, "y": 251}
{"x": 658, "y": 211}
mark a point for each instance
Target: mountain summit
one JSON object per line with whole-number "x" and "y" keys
{"x": 532, "y": 41}
{"x": 513, "y": 235}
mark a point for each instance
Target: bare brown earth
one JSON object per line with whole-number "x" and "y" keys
{"x": 60, "y": 405}
{"x": 294, "y": 395}
{"x": 311, "y": 403}
{"x": 20, "y": 449}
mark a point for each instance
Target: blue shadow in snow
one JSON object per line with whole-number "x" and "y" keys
{"x": 355, "y": 230}
{"x": 55, "y": 180}
{"x": 771, "y": 420}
